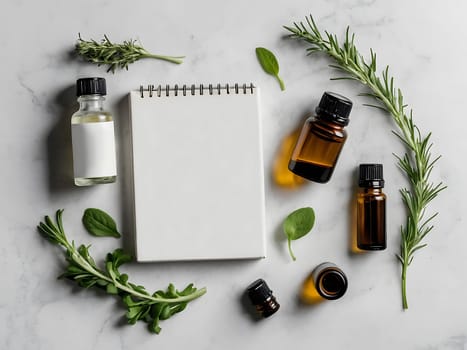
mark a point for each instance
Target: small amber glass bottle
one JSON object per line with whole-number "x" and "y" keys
{"x": 326, "y": 282}
{"x": 321, "y": 139}
{"x": 261, "y": 297}
{"x": 371, "y": 208}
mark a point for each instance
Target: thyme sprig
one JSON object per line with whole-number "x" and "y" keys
{"x": 116, "y": 55}
{"x": 140, "y": 305}
{"x": 417, "y": 162}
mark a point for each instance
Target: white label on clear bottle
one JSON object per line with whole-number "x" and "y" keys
{"x": 93, "y": 150}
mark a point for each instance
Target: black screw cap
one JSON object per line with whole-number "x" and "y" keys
{"x": 335, "y": 108}
{"x": 371, "y": 175}
{"x": 91, "y": 86}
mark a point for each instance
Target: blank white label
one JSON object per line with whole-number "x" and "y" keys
{"x": 93, "y": 150}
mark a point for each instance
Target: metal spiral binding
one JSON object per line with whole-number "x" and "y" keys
{"x": 160, "y": 91}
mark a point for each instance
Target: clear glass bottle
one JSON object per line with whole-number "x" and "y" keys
{"x": 93, "y": 138}
{"x": 371, "y": 208}
{"x": 326, "y": 282}
{"x": 321, "y": 139}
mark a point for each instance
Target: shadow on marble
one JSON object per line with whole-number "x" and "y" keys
{"x": 280, "y": 240}
{"x": 353, "y": 250}
{"x": 123, "y": 136}
{"x": 281, "y": 176}
{"x": 58, "y": 141}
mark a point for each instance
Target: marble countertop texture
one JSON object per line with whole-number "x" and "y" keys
{"x": 423, "y": 42}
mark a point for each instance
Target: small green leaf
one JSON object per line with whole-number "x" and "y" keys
{"x": 171, "y": 291}
{"x": 84, "y": 252}
{"x": 139, "y": 289}
{"x": 128, "y": 301}
{"x": 155, "y": 313}
{"x": 165, "y": 312}
{"x": 297, "y": 225}
{"x": 102, "y": 282}
{"x": 99, "y": 223}
{"x": 123, "y": 278}
{"x": 179, "y": 308}
{"x": 111, "y": 289}
{"x": 118, "y": 257}
{"x": 132, "y": 314}
{"x": 188, "y": 290}
{"x": 269, "y": 63}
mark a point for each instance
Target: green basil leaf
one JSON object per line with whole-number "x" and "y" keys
{"x": 267, "y": 60}
{"x": 99, "y": 223}
{"x": 269, "y": 63}
{"x": 297, "y": 225}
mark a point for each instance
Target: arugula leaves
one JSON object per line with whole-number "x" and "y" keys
{"x": 297, "y": 225}
{"x": 140, "y": 304}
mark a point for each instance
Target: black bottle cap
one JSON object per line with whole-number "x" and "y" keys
{"x": 91, "y": 86}
{"x": 334, "y": 107}
{"x": 371, "y": 175}
{"x": 259, "y": 291}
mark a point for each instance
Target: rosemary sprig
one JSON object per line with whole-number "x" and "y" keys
{"x": 116, "y": 55}
{"x": 417, "y": 162}
{"x": 150, "y": 308}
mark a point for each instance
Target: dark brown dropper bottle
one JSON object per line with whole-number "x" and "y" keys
{"x": 261, "y": 297}
{"x": 371, "y": 208}
{"x": 321, "y": 139}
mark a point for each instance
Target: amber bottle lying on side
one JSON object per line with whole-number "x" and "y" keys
{"x": 321, "y": 139}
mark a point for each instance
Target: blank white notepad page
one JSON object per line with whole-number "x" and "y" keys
{"x": 198, "y": 176}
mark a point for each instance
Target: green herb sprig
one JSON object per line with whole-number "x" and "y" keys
{"x": 417, "y": 162}
{"x": 296, "y": 225}
{"x": 140, "y": 305}
{"x": 117, "y": 55}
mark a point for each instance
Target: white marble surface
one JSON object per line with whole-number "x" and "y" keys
{"x": 424, "y": 42}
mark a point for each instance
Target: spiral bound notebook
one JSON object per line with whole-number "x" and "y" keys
{"x": 197, "y": 172}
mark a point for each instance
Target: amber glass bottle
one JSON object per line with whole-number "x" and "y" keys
{"x": 326, "y": 282}
{"x": 262, "y": 298}
{"x": 321, "y": 139}
{"x": 371, "y": 208}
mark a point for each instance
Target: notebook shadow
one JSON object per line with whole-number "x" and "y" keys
{"x": 125, "y": 166}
